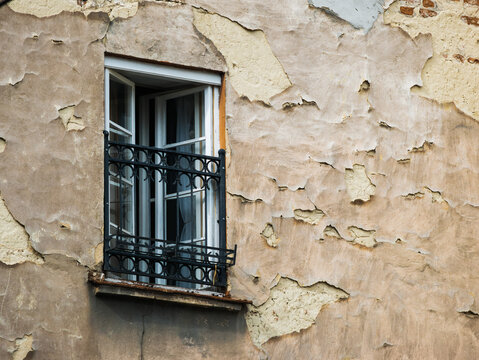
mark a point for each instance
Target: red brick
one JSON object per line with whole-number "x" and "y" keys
{"x": 458, "y": 57}
{"x": 472, "y": 60}
{"x": 406, "y": 10}
{"x": 428, "y": 3}
{"x": 470, "y": 20}
{"x": 472, "y": 2}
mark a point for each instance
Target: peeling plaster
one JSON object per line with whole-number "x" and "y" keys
{"x": 427, "y": 145}
{"x": 470, "y": 314}
{"x": 290, "y": 308}
{"x": 363, "y": 237}
{"x": 70, "y": 120}
{"x": 385, "y": 125}
{"x": 98, "y": 253}
{"x": 3, "y": 145}
{"x": 23, "y": 346}
{"x": 293, "y": 145}
{"x": 331, "y": 231}
{"x": 359, "y": 186}
{"x": 253, "y": 69}
{"x": 413, "y": 196}
{"x": 361, "y": 14}
{"x": 44, "y": 8}
{"x": 15, "y": 247}
{"x": 436, "y": 196}
{"x": 302, "y": 102}
{"x": 450, "y": 75}
{"x": 312, "y": 217}
{"x": 364, "y": 87}
{"x": 270, "y": 236}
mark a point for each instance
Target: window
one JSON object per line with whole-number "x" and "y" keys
{"x": 164, "y": 176}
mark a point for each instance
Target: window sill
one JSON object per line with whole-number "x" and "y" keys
{"x": 199, "y": 298}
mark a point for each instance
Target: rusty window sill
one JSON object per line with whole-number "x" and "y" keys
{"x": 200, "y": 298}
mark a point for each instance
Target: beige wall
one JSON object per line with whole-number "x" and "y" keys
{"x": 352, "y": 179}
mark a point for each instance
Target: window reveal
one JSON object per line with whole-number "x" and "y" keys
{"x": 165, "y": 199}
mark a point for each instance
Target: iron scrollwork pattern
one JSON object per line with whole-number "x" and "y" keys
{"x": 147, "y": 258}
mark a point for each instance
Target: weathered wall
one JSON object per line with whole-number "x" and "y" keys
{"x": 352, "y": 178}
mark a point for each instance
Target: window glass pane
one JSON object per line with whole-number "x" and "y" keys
{"x": 184, "y": 120}
{"x": 121, "y": 207}
{"x": 185, "y": 218}
{"x": 171, "y": 218}
{"x": 120, "y": 138}
{"x": 118, "y": 135}
{"x": 120, "y": 103}
{"x": 196, "y": 148}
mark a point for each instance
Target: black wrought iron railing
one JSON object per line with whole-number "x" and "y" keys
{"x": 165, "y": 216}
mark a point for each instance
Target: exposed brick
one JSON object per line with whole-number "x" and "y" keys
{"x": 472, "y": 2}
{"x": 406, "y": 10}
{"x": 427, "y": 13}
{"x": 428, "y": 3}
{"x": 470, "y": 20}
{"x": 458, "y": 57}
{"x": 472, "y": 60}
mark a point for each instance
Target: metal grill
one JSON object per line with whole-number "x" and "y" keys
{"x": 175, "y": 261}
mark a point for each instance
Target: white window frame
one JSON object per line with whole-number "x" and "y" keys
{"x": 210, "y": 84}
{"x": 111, "y": 124}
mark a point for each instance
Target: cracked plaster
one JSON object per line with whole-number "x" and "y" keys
{"x": 312, "y": 217}
{"x": 254, "y": 70}
{"x": 450, "y": 75}
{"x": 279, "y": 159}
{"x": 360, "y": 14}
{"x": 270, "y": 236}
{"x": 23, "y": 346}
{"x": 358, "y": 184}
{"x": 363, "y": 237}
{"x": 15, "y": 247}
{"x": 331, "y": 231}
{"x": 70, "y": 120}
{"x": 43, "y": 8}
{"x": 289, "y": 308}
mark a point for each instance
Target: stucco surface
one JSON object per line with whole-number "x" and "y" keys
{"x": 451, "y": 75}
{"x": 360, "y": 14}
{"x": 290, "y": 308}
{"x": 253, "y": 69}
{"x": 363, "y": 168}
{"x": 44, "y": 8}
{"x": 14, "y": 241}
{"x": 143, "y": 37}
